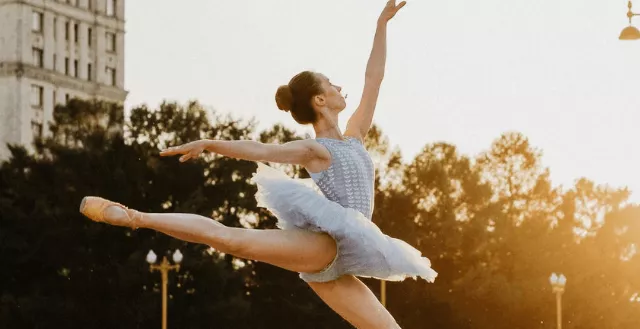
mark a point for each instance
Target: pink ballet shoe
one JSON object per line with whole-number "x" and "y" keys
{"x": 94, "y": 208}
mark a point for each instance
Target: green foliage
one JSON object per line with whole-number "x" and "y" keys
{"x": 493, "y": 225}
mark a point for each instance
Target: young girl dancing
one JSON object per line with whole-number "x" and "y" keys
{"x": 328, "y": 238}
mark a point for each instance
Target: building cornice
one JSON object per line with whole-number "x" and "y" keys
{"x": 63, "y": 81}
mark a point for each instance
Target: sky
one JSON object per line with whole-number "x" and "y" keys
{"x": 461, "y": 72}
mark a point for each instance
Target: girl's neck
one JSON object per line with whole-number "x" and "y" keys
{"x": 327, "y": 126}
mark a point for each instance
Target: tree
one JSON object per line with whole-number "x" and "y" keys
{"x": 492, "y": 224}
{"x": 76, "y": 273}
{"x": 436, "y": 209}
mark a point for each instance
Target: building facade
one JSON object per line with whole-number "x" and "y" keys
{"x": 52, "y": 51}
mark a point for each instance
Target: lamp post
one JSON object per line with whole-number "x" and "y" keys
{"x": 164, "y": 267}
{"x": 630, "y": 32}
{"x": 558, "y": 283}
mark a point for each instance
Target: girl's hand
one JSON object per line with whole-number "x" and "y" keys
{"x": 189, "y": 150}
{"x": 390, "y": 10}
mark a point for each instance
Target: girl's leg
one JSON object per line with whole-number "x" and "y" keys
{"x": 354, "y": 302}
{"x": 298, "y": 251}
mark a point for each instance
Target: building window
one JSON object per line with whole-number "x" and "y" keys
{"x": 37, "y": 19}
{"x": 89, "y": 36}
{"x": 36, "y": 96}
{"x": 75, "y": 68}
{"x": 111, "y": 42}
{"x": 111, "y": 76}
{"x": 55, "y": 28}
{"x": 111, "y": 7}
{"x": 67, "y": 30}
{"x": 55, "y": 62}
{"x": 37, "y": 57}
{"x": 66, "y": 65}
{"x": 66, "y": 98}
{"x": 90, "y": 4}
{"x": 36, "y": 128}
{"x": 89, "y": 72}
{"x": 76, "y": 35}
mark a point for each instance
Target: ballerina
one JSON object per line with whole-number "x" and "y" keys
{"x": 327, "y": 237}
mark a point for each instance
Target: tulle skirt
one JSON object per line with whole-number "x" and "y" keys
{"x": 363, "y": 250}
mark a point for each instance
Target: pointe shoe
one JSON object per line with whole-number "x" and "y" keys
{"x": 94, "y": 208}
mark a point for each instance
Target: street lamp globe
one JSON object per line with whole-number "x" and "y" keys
{"x": 630, "y": 33}
{"x": 562, "y": 280}
{"x": 151, "y": 257}
{"x": 177, "y": 256}
{"x": 558, "y": 280}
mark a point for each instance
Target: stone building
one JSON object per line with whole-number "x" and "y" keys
{"x": 54, "y": 50}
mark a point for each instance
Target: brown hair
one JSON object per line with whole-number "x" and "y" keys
{"x": 296, "y": 96}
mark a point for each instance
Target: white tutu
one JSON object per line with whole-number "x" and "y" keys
{"x": 363, "y": 250}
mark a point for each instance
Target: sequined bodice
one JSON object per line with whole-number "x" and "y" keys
{"x": 349, "y": 180}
